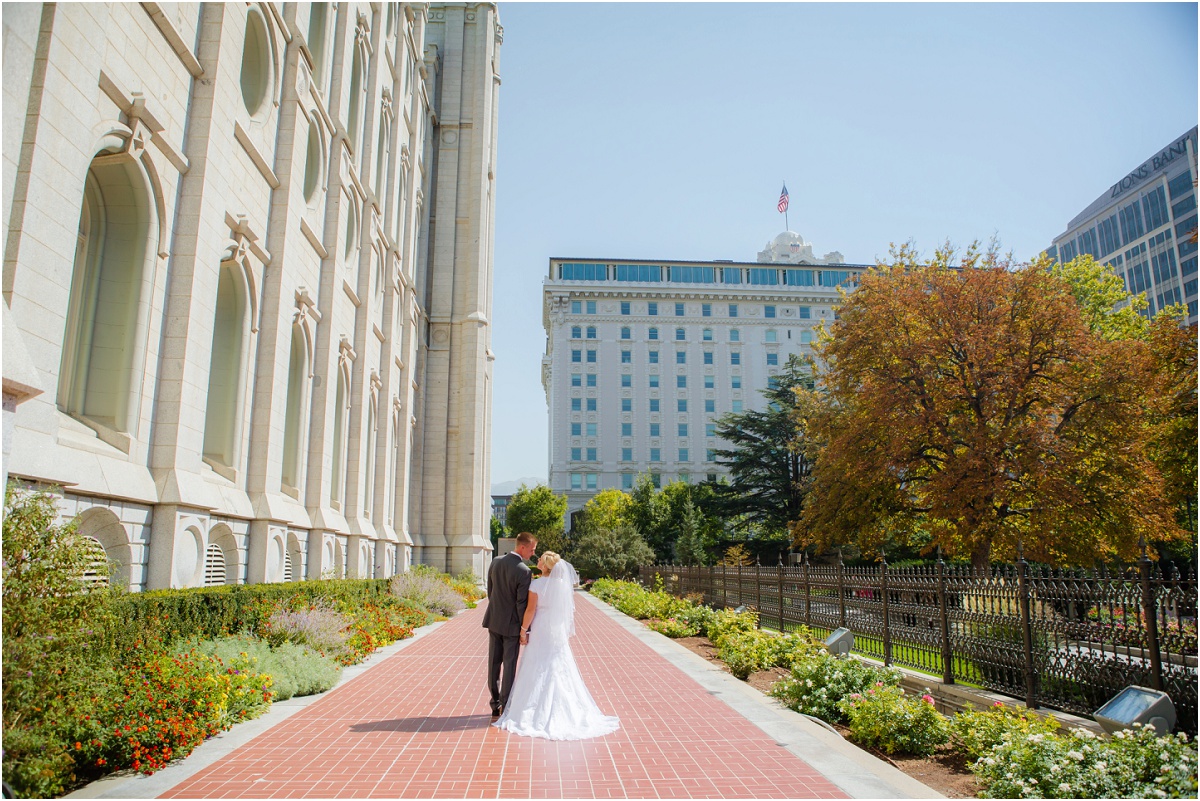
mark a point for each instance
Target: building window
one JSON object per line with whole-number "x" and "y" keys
{"x": 653, "y": 381}
{"x": 576, "y": 332}
{"x": 712, "y": 476}
{"x": 708, "y": 357}
{"x": 591, "y": 454}
{"x": 683, "y": 429}
{"x": 591, "y": 356}
{"x": 576, "y": 454}
{"x": 626, "y": 429}
{"x": 625, "y": 307}
{"x": 737, "y": 407}
{"x": 627, "y": 481}
{"x": 772, "y": 360}
{"x": 654, "y": 404}
{"x": 773, "y": 383}
{"x": 576, "y": 379}
{"x": 653, "y": 357}
{"x": 681, "y": 381}
{"x": 576, "y": 307}
{"x": 710, "y": 405}
{"x": 652, "y": 309}
{"x": 337, "y": 484}
{"x": 735, "y": 358}
{"x": 297, "y": 408}
{"x": 576, "y": 481}
{"x": 576, "y": 429}
{"x": 577, "y": 404}
{"x": 805, "y": 337}
{"x": 768, "y": 312}
{"x": 591, "y": 379}
{"x": 654, "y": 429}
{"x": 626, "y": 357}
{"x": 256, "y": 63}
{"x": 681, "y": 404}
{"x": 653, "y": 334}
{"x": 735, "y": 335}
{"x": 772, "y": 336}
{"x": 591, "y": 307}
{"x": 683, "y": 454}
{"x": 591, "y": 332}
{"x": 591, "y": 429}
{"x": 678, "y": 309}
{"x": 710, "y": 429}
{"x": 656, "y": 480}
{"x": 736, "y": 381}
{"x": 656, "y": 454}
{"x": 626, "y": 380}
{"x": 706, "y": 310}
{"x": 576, "y": 356}
{"x": 626, "y": 332}
{"x": 681, "y": 357}
{"x": 591, "y": 404}
{"x": 733, "y": 310}
{"x": 627, "y": 404}
{"x": 706, "y": 335}
{"x": 222, "y": 416}
{"x": 710, "y": 455}
{"x": 626, "y": 454}
{"x": 708, "y": 382}
{"x": 680, "y": 335}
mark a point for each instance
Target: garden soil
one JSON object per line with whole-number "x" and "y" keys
{"x": 944, "y": 771}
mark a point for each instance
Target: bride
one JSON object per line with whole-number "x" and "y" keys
{"x": 549, "y": 698}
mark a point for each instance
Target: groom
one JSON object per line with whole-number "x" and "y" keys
{"x": 508, "y": 592}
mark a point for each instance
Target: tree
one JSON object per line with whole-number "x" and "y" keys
{"x": 767, "y": 459}
{"x": 540, "y": 512}
{"x": 609, "y": 508}
{"x": 498, "y": 530}
{"x": 1107, "y": 308}
{"x": 969, "y": 405}
{"x": 610, "y": 553}
{"x": 1173, "y": 414}
{"x": 689, "y": 547}
{"x": 649, "y": 517}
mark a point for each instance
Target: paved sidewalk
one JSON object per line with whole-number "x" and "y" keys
{"x": 416, "y": 725}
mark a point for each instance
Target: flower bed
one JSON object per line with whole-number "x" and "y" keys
{"x": 1012, "y": 753}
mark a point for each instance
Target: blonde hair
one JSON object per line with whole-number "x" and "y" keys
{"x": 550, "y": 558}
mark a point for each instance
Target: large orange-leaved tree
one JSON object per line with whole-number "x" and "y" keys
{"x": 966, "y": 403}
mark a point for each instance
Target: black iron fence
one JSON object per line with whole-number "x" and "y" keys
{"x": 1064, "y": 639}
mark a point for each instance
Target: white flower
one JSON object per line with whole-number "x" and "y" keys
{"x": 1055, "y": 768}
{"x": 1119, "y": 734}
{"x": 1086, "y": 749}
{"x": 1064, "y": 788}
{"x": 1164, "y": 769}
{"x": 808, "y": 682}
{"x": 1009, "y": 776}
{"x": 1101, "y": 767}
{"x": 1036, "y": 738}
{"x": 1033, "y": 781}
{"x": 1078, "y": 757}
{"x": 1164, "y": 756}
{"x": 989, "y": 761}
{"x": 1087, "y": 734}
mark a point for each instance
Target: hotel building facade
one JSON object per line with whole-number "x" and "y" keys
{"x": 247, "y": 282}
{"x": 642, "y": 357}
{"x": 1143, "y": 228}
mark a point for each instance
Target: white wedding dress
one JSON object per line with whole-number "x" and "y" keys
{"x": 548, "y": 697}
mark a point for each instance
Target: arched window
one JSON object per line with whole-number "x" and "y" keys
{"x": 355, "y": 111}
{"x": 369, "y": 473}
{"x": 383, "y": 153}
{"x": 96, "y": 572}
{"x": 351, "y": 244}
{"x": 256, "y": 63}
{"x": 297, "y": 406}
{"x": 214, "y": 566}
{"x": 103, "y": 345}
{"x": 222, "y": 417}
{"x": 393, "y": 475}
{"x": 313, "y": 159}
{"x": 337, "y": 484}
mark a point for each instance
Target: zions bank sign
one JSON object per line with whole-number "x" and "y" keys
{"x": 1175, "y": 150}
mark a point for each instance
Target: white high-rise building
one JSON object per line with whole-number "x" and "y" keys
{"x": 643, "y": 356}
{"x": 1143, "y": 226}
{"x": 247, "y": 282}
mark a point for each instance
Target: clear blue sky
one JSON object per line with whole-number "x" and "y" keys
{"x": 664, "y": 131}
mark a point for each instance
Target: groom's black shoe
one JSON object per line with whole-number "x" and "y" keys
{"x": 496, "y": 711}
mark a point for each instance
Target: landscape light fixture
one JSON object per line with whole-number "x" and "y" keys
{"x": 840, "y": 642}
{"x": 1135, "y": 704}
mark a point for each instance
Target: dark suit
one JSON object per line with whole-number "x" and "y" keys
{"x": 508, "y": 593}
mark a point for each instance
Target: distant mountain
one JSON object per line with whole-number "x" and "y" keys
{"x": 509, "y": 487}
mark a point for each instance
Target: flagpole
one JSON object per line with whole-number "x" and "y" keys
{"x": 786, "y": 225}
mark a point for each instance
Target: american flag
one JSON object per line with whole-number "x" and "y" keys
{"x": 783, "y": 200}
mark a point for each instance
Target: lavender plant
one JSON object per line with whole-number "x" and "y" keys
{"x": 320, "y": 627}
{"x": 425, "y": 588}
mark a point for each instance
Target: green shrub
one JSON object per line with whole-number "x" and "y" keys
{"x": 1132, "y": 764}
{"x": 727, "y": 621}
{"x": 795, "y": 647}
{"x": 817, "y": 684}
{"x": 747, "y": 652}
{"x": 673, "y": 627}
{"x": 884, "y": 717}
{"x": 975, "y": 733}
{"x": 696, "y": 616}
{"x": 638, "y": 602}
{"x": 610, "y": 553}
{"x": 295, "y": 670}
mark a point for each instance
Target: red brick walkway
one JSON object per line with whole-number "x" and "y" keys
{"x": 417, "y": 726}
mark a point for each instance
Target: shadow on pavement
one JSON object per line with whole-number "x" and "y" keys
{"x": 427, "y": 724}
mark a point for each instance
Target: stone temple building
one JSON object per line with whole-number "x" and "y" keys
{"x": 247, "y": 282}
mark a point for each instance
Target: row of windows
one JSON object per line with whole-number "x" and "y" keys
{"x": 710, "y": 429}
{"x": 578, "y": 480}
{"x": 706, "y": 335}
{"x": 1146, "y": 213}
{"x": 770, "y": 311}
{"x": 735, "y": 357}
{"x": 655, "y": 405}
{"x": 681, "y": 382}
{"x": 684, "y": 455}
{"x": 694, "y": 274}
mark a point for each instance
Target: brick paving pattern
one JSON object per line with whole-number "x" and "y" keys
{"x": 417, "y": 726}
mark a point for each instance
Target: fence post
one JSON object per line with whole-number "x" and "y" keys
{"x": 779, "y": 569}
{"x": 887, "y": 627}
{"x": 841, "y": 573}
{"x": 807, "y": 595}
{"x": 758, "y": 588}
{"x": 724, "y": 588}
{"x": 1150, "y": 614}
{"x": 1026, "y": 625}
{"x": 944, "y": 614}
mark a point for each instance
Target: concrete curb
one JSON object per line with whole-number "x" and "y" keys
{"x": 853, "y": 770}
{"x": 134, "y": 785}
